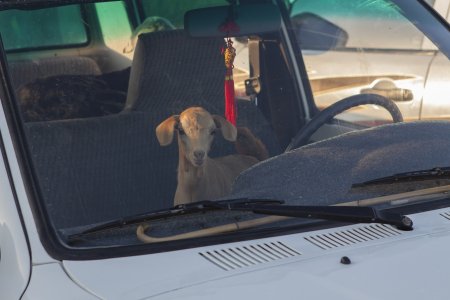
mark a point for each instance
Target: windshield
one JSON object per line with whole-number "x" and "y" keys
{"x": 132, "y": 107}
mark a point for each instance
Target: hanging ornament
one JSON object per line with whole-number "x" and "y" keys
{"x": 229, "y": 54}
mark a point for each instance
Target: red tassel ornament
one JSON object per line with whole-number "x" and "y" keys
{"x": 229, "y": 54}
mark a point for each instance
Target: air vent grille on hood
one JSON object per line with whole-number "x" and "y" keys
{"x": 250, "y": 255}
{"x": 446, "y": 215}
{"x": 352, "y": 236}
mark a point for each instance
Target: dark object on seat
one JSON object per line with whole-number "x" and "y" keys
{"x": 73, "y": 96}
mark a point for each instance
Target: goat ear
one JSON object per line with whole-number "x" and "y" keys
{"x": 228, "y": 130}
{"x": 164, "y": 131}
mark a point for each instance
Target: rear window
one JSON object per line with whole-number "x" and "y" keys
{"x": 43, "y": 28}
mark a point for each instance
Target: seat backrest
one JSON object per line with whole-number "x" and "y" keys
{"x": 171, "y": 72}
{"x": 25, "y": 71}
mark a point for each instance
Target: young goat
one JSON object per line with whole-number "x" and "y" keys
{"x": 201, "y": 177}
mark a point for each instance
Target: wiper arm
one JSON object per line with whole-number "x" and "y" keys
{"x": 182, "y": 209}
{"x": 409, "y": 176}
{"x": 348, "y": 214}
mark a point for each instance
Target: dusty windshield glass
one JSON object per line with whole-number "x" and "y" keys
{"x": 129, "y": 109}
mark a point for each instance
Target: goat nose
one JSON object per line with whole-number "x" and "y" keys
{"x": 199, "y": 154}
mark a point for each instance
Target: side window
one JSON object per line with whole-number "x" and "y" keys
{"x": 116, "y": 31}
{"x": 357, "y": 47}
{"x": 33, "y": 29}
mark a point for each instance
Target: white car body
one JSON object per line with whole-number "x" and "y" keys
{"x": 384, "y": 263}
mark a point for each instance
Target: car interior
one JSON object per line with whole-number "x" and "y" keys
{"x": 78, "y": 150}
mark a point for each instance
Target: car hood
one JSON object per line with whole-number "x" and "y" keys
{"x": 385, "y": 263}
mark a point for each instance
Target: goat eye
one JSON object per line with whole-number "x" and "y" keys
{"x": 213, "y": 132}
{"x": 181, "y": 132}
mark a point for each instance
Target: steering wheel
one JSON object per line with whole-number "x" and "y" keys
{"x": 303, "y": 135}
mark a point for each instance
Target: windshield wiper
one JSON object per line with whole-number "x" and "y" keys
{"x": 435, "y": 173}
{"x": 347, "y": 214}
{"x": 182, "y": 209}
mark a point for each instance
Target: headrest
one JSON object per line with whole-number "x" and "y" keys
{"x": 171, "y": 71}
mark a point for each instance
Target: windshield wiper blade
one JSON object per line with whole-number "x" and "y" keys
{"x": 440, "y": 173}
{"x": 347, "y": 214}
{"x": 182, "y": 209}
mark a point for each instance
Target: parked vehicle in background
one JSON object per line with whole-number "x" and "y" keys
{"x": 349, "y": 97}
{"x": 370, "y": 48}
